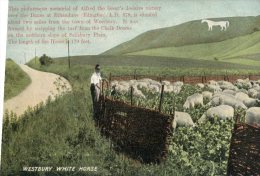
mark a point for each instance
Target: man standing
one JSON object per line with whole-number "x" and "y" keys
{"x": 95, "y": 86}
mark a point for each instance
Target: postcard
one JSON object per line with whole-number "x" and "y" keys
{"x": 131, "y": 87}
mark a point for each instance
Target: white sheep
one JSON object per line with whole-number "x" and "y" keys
{"x": 154, "y": 88}
{"x": 243, "y": 83}
{"x": 114, "y": 83}
{"x": 207, "y": 94}
{"x": 167, "y": 83}
{"x": 182, "y": 119}
{"x": 123, "y": 83}
{"x": 214, "y": 88}
{"x": 213, "y": 82}
{"x": 132, "y": 82}
{"x": 200, "y": 85}
{"x": 168, "y": 88}
{"x": 226, "y": 99}
{"x": 226, "y": 85}
{"x": 222, "y": 112}
{"x": 253, "y": 116}
{"x": 142, "y": 84}
{"x": 178, "y": 83}
{"x": 177, "y": 89}
{"x": 191, "y": 101}
{"x": 249, "y": 102}
{"x": 121, "y": 88}
{"x": 138, "y": 93}
{"x": 228, "y": 91}
{"x": 242, "y": 90}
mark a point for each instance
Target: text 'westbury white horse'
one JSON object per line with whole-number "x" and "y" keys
{"x": 222, "y": 24}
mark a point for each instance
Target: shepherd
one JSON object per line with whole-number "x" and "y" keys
{"x": 95, "y": 87}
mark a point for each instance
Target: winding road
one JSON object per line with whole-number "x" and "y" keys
{"x": 43, "y": 85}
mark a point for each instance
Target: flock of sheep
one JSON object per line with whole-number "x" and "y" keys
{"x": 224, "y": 97}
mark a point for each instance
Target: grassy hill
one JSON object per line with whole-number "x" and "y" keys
{"x": 189, "y": 33}
{"x": 15, "y": 79}
{"x": 245, "y": 48}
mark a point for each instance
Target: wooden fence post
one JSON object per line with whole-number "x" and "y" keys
{"x": 131, "y": 95}
{"x": 110, "y": 77}
{"x": 102, "y": 88}
{"x": 161, "y": 99}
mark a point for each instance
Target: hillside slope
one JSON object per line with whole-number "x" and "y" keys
{"x": 231, "y": 48}
{"x": 189, "y": 33}
{"x": 16, "y": 79}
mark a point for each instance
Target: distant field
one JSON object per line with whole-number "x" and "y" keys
{"x": 236, "y": 48}
{"x": 155, "y": 65}
{"x": 16, "y": 79}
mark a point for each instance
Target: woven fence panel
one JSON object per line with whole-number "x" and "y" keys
{"x": 254, "y": 77}
{"x": 244, "y": 154}
{"x": 188, "y": 79}
{"x": 156, "y": 78}
{"x": 193, "y": 79}
{"x": 140, "y": 133}
{"x": 234, "y": 78}
{"x": 215, "y": 78}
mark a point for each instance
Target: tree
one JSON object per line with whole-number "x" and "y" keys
{"x": 46, "y": 60}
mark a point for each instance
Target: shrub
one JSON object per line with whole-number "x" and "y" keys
{"x": 46, "y": 60}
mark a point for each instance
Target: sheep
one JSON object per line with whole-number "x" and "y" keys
{"x": 256, "y": 88}
{"x": 178, "y": 83}
{"x": 228, "y": 91}
{"x": 252, "y": 93}
{"x": 240, "y": 83}
{"x": 114, "y": 83}
{"x": 212, "y": 82}
{"x": 123, "y": 83}
{"x": 182, "y": 119}
{"x": 253, "y": 116}
{"x": 226, "y": 85}
{"x": 214, "y": 88}
{"x": 226, "y": 99}
{"x": 249, "y": 102}
{"x": 153, "y": 82}
{"x": 191, "y": 101}
{"x": 168, "y": 88}
{"x": 176, "y": 89}
{"x": 154, "y": 88}
{"x": 166, "y": 82}
{"x": 207, "y": 94}
{"x": 242, "y": 90}
{"x": 222, "y": 112}
{"x": 141, "y": 84}
{"x": 200, "y": 85}
{"x": 121, "y": 88}
{"x": 132, "y": 82}
{"x": 138, "y": 93}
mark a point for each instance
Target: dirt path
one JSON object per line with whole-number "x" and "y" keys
{"x": 42, "y": 86}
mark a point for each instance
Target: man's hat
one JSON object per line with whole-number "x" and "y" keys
{"x": 97, "y": 67}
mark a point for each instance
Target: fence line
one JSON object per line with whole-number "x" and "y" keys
{"x": 140, "y": 133}
{"x": 186, "y": 79}
{"x": 244, "y": 154}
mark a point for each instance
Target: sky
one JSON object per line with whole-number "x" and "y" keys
{"x": 173, "y": 12}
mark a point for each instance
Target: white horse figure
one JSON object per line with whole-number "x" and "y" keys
{"x": 222, "y": 24}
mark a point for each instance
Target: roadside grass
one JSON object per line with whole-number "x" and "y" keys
{"x": 16, "y": 79}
